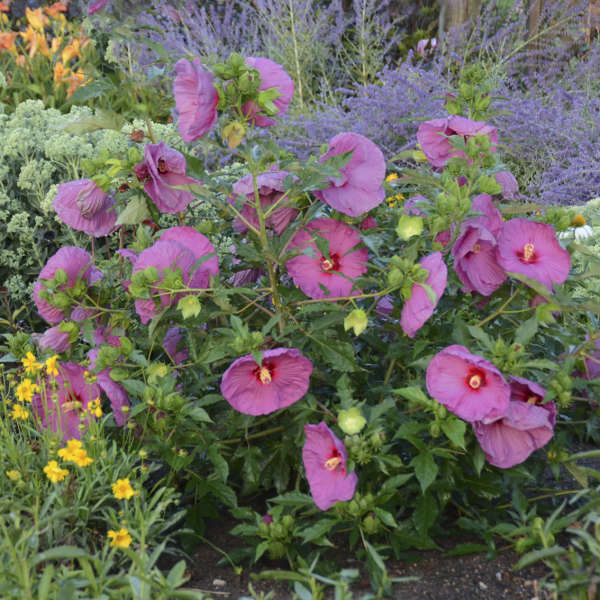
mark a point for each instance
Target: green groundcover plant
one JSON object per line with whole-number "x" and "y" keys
{"x": 371, "y": 354}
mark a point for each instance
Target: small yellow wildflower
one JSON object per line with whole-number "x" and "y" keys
{"x": 51, "y": 365}
{"x": 391, "y": 177}
{"x": 81, "y": 458}
{"x": 26, "y": 389}
{"x": 13, "y": 475}
{"x": 393, "y": 200}
{"x": 119, "y": 539}
{"x": 54, "y": 472}
{"x": 95, "y": 408}
{"x": 122, "y": 489}
{"x": 72, "y": 446}
{"x": 18, "y": 412}
{"x": 578, "y": 221}
{"x": 32, "y": 366}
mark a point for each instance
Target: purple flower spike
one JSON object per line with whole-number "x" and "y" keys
{"x": 196, "y": 99}
{"x": 82, "y": 205}
{"x": 163, "y": 169}
{"x": 526, "y": 426}
{"x": 76, "y": 263}
{"x": 324, "y": 456}
{"x": 96, "y": 6}
{"x": 467, "y": 385}
{"x": 418, "y": 308}
{"x": 359, "y": 187}
{"x": 531, "y": 248}
{"x": 272, "y": 75}
{"x": 280, "y": 380}
{"x": 270, "y": 190}
{"x": 433, "y": 135}
{"x": 335, "y": 272}
{"x": 64, "y": 407}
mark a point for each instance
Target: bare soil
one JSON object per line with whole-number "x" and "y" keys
{"x": 469, "y": 577}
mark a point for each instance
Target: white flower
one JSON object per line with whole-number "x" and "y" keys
{"x": 583, "y": 232}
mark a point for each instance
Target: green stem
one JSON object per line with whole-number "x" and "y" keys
{"x": 499, "y": 311}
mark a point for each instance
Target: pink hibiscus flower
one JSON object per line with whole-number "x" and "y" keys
{"x": 280, "y": 380}
{"x": 54, "y": 339}
{"x": 77, "y": 264}
{"x": 163, "y": 169}
{"x": 432, "y": 137}
{"x": 172, "y": 345}
{"x": 324, "y": 456}
{"x": 526, "y": 425}
{"x": 335, "y": 272}
{"x": 359, "y": 187}
{"x": 531, "y": 248}
{"x": 270, "y": 190}
{"x": 82, "y": 205}
{"x": 418, "y": 308}
{"x": 196, "y": 99}
{"x": 65, "y": 407}
{"x": 272, "y": 75}
{"x": 467, "y": 385}
{"x": 509, "y": 185}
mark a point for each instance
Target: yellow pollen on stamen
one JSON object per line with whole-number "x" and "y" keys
{"x": 475, "y": 382}
{"x": 532, "y": 400}
{"x": 264, "y": 375}
{"x": 578, "y": 221}
{"x": 332, "y": 463}
{"x": 327, "y": 264}
{"x": 528, "y": 251}
{"x": 476, "y": 248}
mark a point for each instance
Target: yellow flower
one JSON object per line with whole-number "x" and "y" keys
{"x": 391, "y": 177}
{"x": 18, "y": 412}
{"x": 26, "y": 389}
{"x": 81, "y": 458}
{"x": 54, "y": 473}
{"x": 578, "y": 221}
{"x": 51, "y": 365}
{"x": 119, "y": 539}
{"x": 122, "y": 489}
{"x": 393, "y": 200}
{"x": 67, "y": 453}
{"x": 13, "y": 475}
{"x": 32, "y": 366}
{"x": 36, "y": 18}
{"x": 71, "y": 51}
{"x": 95, "y": 408}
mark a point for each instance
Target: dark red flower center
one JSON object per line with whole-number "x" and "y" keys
{"x": 162, "y": 166}
{"x": 265, "y": 373}
{"x": 330, "y": 264}
{"x": 475, "y": 378}
{"x": 527, "y": 254}
{"x": 334, "y": 461}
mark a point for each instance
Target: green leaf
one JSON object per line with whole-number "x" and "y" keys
{"x": 134, "y": 213}
{"x": 199, "y": 414}
{"x": 526, "y": 331}
{"x": 481, "y": 336}
{"x": 375, "y": 556}
{"x": 103, "y": 119}
{"x": 536, "y": 286}
{"x": 175, "y": 578}
{"x": 318, "y": 530}
{"x": 414, "y": 394}
{"x": 393, "y": 483}
{"x": 537, "y": 555}
{"x": 425, "y": 514}
{"x": 59, "y": 553}
{"x": 385, "y": 517}
{"x": 339, "y": 355}
{"x": 220, "y": 464}
{"x": 134, "y": 386}
{"x": 426, "y": 469}
{"x": 455, "y": 430}
{"x": 478, "y": 457}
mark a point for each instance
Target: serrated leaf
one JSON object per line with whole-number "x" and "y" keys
{"x": 426, "y": 469}
{"x": 455, "y": 430}
{"x": 526, "y": 331}
{"x": 340, "y": 356}
{"x": 414, "y": 394}
{"x": 481, "y": 336}
{"x": 134, "y": 213}
{"x": 537, "y": 555}
{"x": 319, "y": 529}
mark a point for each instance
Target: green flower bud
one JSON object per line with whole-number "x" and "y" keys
{"x": 351, "y": 421}
{"x": 409, "y": 226}
{"x": 276, "y": 550}
{"x": 356, "y": 320}
{"x": 371, "y": 524}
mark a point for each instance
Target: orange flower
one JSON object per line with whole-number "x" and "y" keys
{"x": 70, "y": 51}
{"x": 74, "y": 82}
{"x": 35, "y": 41}
{"x": 55, "y": 45}
{"x": 21, "y": 61}
{"x": 7, "y": 41}
{"x": 5, "y": 6}
{"x": 55, "y": 9}
{"x": 36, "y": 18}
{"x": 60, "y": 72}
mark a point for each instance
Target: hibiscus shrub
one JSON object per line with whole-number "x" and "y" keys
{"x": 384, "y": 361}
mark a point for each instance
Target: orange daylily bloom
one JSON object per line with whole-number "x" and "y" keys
{"x": 75, "y": 80}
{"x": 35, "y": 41}
{"x": 7, "y": 41}
{"x": 56, "y": 9}
{"x": 70, "y": 51}
{"x": 21, "y": 61}
{"x": 55, "y": 45}
{"x": 36, "y": 18}
{"x": 60, "y": 72}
